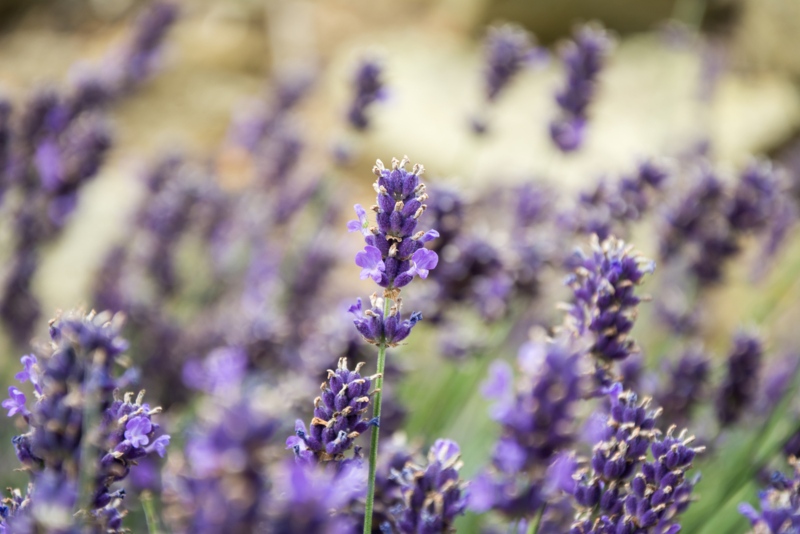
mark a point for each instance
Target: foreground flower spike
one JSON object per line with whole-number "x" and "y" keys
{"x": 604, "y": 306}
{"x": 394, "y": 255}
{"x": 780, "y": 505}
{"x": 338, "y": 417}
{"x": 368, "y": 89}
{"x": 740, "y": 385}
{"x": 537, "y": 415}
{"x": 80, "y": 431}
{"x": 622, "y": 490}
{"x": 583, "y": 58}
{"x": 433, "y": 496}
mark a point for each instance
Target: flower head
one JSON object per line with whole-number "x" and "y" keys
{"x": 15, "y": 404}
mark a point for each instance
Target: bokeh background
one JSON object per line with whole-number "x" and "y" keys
{"x": 684, "y": 74}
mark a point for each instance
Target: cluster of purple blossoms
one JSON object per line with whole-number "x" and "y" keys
{"x": 740, "y": 385}
{"x": 433, "y": 496}
{"x": 622, "y": 490}
{"x": 583, "y": 58}
{"x": 706, "y": 224}
{"x": 377, "y": 329}
{"x": 780, "y": 505}
{"x": 538, "y": 422}
{"x": 604, "y": 306}
{"x": 609, "y": 208}
{"x": 685, "y": 387}
{"x": 395, "y": 251}
{"x": 338, "y": 418}
{"x": 368, "y": 89}
{"x": 79, "y": 429}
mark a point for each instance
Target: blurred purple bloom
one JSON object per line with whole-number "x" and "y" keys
{"x": 368, "y": 89}
{"x": 583, "y": 58}
{"x": 507, "y": 49}
{"x": 15, "y": 404}
{"x": 740, "y": 385}
{"x": 159, "y": 445}
{"x": 30, "y": 372}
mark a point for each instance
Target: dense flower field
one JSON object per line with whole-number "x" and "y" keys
{"x": 516, "y": 357}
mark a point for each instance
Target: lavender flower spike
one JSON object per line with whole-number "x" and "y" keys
{"x": 739, "y": 387}
{"x": 605, "y": 302}
{"x": 583, "y": 58}
{"x": 368, "y": 89}
{"x": 394, "y": 255}
{"x": 338, "y": 417}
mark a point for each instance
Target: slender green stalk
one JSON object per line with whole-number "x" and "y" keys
{"x": 533, "y": 525}
{"x": 149, "y": 512}
{"x": 376, "y": 413}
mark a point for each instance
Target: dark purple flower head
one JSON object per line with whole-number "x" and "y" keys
{"x": 605, "y": 301}
{"x": 433, "y": 496}
{"x": 338, "y": 417}
{"x": 393, "y": 254}
{"x": 583, "y": 58}
{"x": 623, "y": 489}
{"x": 780, "y": 505}
{"x": 740, "y": 385}
{"x": 507, "y": 48}
{"x": 368, "y": 89}
{"x": 375, "y": 328}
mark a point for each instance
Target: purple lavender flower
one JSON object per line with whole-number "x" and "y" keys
{"x": 140, "y": 55}
{"x": 377, "y": 329}
{"x": 537, "y": 417}
{"x": 685, "y": 388}
{"x": 368, "y": 89}
{"x": 583, "y": 59}
{"x": 338, "y": 417}
{"x": 433, "y": 496}
{"x": 740, "y": 385}
{"x": 15, "y": 404}
{"x": 391, "y": 245}
{"x": 508, "y": 49}
{"x": 605, "y": 302}
{"x": 621, "y": 490}
{"x": 75, "y": 379}
{"x": 780, "y": 509}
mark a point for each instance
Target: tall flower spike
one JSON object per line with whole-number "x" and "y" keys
{"x": 508, "y": 49}
{"x": 605, "y": 301}
{"x": 583, "y": 58}
{"x": 338, "y": 417}
{"x": 394, "y": 255}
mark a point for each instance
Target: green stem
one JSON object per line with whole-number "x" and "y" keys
{"x": 149, "y": 512}
{"x": 533, "y": 526}
{"x": 376, "y": 414}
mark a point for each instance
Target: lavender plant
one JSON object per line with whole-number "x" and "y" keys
{"x": 394, "y": 255}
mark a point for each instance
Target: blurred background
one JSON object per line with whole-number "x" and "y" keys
{"x": 721, "y": 78}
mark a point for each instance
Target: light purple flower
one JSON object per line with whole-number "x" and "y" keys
{"x": 49, "y": 165}
{"x": 136, "y": 431}
{"x": 362, "y": 224}
{"x": 444, "y": 450}
{"x": 371, "y": 263}
{"x": 159, "y": 445}
{"x": 423, "y": 261}
{"x": 30, "y": 372}
{"x": 430, "y": 235}
{"x": 15, "y": 403}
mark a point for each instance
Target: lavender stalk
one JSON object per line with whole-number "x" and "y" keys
{"x": 394, "y": 254}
